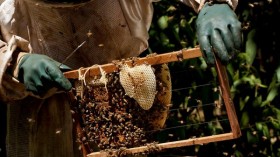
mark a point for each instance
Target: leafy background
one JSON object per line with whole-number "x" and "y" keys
{"x": 254, "y": 75}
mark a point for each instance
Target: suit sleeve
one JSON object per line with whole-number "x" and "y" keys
{"x": 198, "y": 4}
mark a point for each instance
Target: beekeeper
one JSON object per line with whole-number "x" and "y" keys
{"x": 38, "y": 35}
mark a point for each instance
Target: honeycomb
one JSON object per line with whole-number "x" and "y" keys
{"x": 113, "y": 118}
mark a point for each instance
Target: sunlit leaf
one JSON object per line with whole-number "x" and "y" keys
{"x": 278, "y": 74}
{"x": 265, "y": 131}
{"x": 272, "y": 94}
{"x": 242, "y": 102}
{"x": 259, "y": 126}
{"x": 251, "y": 47}
{"x": 203, "y": 64}
{"x": 163, "y": 22}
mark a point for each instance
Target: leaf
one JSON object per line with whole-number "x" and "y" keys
{"x": 203, "y": 64}
{"x": 231, "y": 70}
{"x": 187, "y": 30}
{"x": 164, "y": 39}
{"x": 278, "y": 74}
{"x": 245, "y": 119}
{"x": 276, "y": 111}
{"x": 275, "y": 123}
{"x": 258, "y": 101}
{"x": 251, "y": 47}
{"x": 251, "y": 138}
{"x": 259, "y": 126}
{"x": 272, "y": 94}
{"x": 265, "y": 131}
{"x": 163, "y": 22}
{"x": 264, "y": 103}
{"x": 273, "y": 82}
{"x": 243, "y": 102}
{"x": 238, "y": 154}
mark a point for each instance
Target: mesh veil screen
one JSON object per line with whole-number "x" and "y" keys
{"x": 61, "y": 30}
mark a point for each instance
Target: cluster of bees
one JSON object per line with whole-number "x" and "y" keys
{"x": 112, "y": 120}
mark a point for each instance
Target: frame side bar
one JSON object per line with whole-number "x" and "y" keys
{"x": 175, "y": 144}
{"x": 225, "y": 90}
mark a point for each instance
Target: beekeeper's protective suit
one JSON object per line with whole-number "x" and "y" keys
{"x": 36, "y": 35}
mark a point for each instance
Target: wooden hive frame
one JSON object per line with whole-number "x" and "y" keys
{"x": 166, "y": 58}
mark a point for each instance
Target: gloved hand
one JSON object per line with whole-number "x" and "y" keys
{"x": 219, "y": 32}
{"x": 39, "y": 73}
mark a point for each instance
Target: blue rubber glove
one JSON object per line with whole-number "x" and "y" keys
{"x": 219, "y": 32}
{"x": 39, "y": 73}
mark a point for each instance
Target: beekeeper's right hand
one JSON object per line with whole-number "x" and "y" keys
{"x": 39, "y": 73}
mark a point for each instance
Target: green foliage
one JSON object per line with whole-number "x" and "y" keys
{"x": 254, "y": 76}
